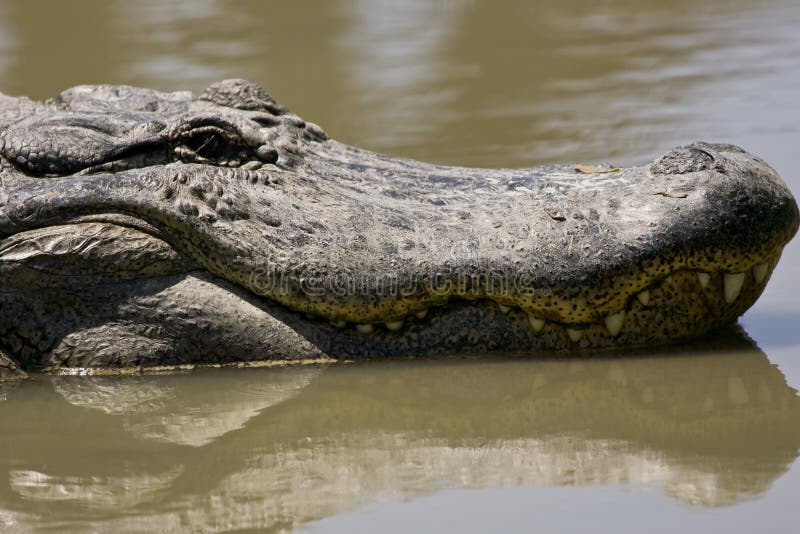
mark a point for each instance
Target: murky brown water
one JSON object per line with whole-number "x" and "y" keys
{"x": 699, "y": 438}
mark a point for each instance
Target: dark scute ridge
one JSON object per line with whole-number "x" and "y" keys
{"x": 241, "y": 94}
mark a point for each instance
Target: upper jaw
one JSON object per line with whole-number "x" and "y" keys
{"x": 396, "y": 237}
{"x": 553, "y": 242}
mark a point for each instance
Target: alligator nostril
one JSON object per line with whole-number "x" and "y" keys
{"x": 683, "y": 160}
{"x": 267, "y": 154}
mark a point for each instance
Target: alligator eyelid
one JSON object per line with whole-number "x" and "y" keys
{"x": 707, "y": 153}
{"x": 210, "y": 128}
{"x": 213, "y": 122}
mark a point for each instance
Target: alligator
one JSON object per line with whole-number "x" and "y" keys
{"x": 141, "y": 228}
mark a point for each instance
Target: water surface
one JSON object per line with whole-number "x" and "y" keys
{"x": 693, "y": 438}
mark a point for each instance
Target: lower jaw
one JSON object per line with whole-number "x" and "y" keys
{"x": 230, "y": 325}
{"x": 680, "y": 307}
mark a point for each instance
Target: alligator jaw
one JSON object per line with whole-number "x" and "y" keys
{"x": 170, "y": 313}
{"x": 348, "y": 253}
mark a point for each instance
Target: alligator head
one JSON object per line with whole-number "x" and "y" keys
{"x": 148, "y": 228}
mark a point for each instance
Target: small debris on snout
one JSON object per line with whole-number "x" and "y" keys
{"x": 670, "y": 194}
{"x": 588, "y": 169}
{"x": 555, "y": 214}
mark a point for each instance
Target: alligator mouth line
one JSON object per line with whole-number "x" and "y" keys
{"x": 662, "y": 292}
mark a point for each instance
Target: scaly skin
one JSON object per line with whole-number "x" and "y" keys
{"x": 140, "y": 228}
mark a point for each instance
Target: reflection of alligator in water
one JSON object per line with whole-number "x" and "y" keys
{"x": 711, "y": 429}
{"x": 155, "y": 408}
{"x": 147, "y": 228}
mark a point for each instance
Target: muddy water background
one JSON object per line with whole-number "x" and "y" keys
{"x": 694, "y": 438}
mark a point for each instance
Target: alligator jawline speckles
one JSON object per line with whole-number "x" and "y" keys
{"x": 694, "y": 296}
{"x": 720, "y": 290}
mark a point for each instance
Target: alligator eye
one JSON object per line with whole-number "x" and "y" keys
{"x": 208, "y": 144}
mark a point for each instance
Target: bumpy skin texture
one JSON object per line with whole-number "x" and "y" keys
{"x": 147, "y": 228}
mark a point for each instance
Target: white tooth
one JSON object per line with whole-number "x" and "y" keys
{"x": 760, "y": 272}
{"x": 704, "y": 278}
{"x": 574, "y": 334}
{"x": 365, "y": 328}
{"x": 394, "y": 326}
{"x": 339, "y": 324}
{"x": 504, "y": 308}
{"x": 536, "y": 323}
{"x": 614, "y": 322}
{"x": 644, "y": 297}
{"x": 421, "y": 314}
{"x": 733, "y": 284}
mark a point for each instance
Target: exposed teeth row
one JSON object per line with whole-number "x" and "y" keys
{"x": 732, "y": 286}
{"x": 392, "y": 326}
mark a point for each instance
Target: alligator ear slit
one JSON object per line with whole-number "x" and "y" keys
{"x": 265, "y": 121}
